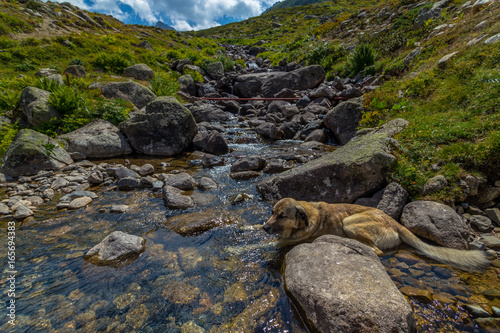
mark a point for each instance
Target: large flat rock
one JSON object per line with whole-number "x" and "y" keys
{"x": 341, "y": 286}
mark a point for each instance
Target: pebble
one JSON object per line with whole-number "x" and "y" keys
{"x": 416, "y": 293}
{"x": 4, "y": 209}
{"x": 22, "y": 212}
{"x": 491, "y": 241}
{"x": 119, "y": 209}
{"x": 476, "y": 311}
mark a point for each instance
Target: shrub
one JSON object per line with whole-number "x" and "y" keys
{"x": 227, "y": 62}
{"x": 362, "y": 57}
{"x": 34, "y": 5}
{"x": 46, "y": 84}
{"x": 7, "y": 134}
{"x": 65, "y": 100}
{"x": 9, "y": 99}
{"x": 113, "y": 63}
{"x": 25, "y": 66}
{"x": 76, "y": 61}
{"x": 197, "y": 77}
{"x": 6, "y": 43}
{"x": 164, "y": 84}
{"x": 115, "y": 111}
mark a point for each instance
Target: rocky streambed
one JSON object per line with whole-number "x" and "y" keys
{"x": 204, "y": 268}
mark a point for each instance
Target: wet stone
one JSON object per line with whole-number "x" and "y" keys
{"x": 416, "y": 293}
{"x": 146, "y": 170}
{"x": 22, "y": 212}
{"x": 80, "y": 203}
{"x": 123, "y": 301}
{"x": 180, "y": 293}
{"x": 476, "y": 311}
{"x": 490, "y": 324}
{"x": 206, "y": 184}
{"x": 235, "y": 293}
{"x": 491, "y": 241}
{"x": 128, "y": 183}
{"x": 4, "y": 209}
{"x": 244, "y": 175}
{"x": 191, "y": 327}
{"x": 189, "y": 258}
{"x": 491, "y": 293}
{"x": 442, "y": 273}
{"x": 119, "y": 208}
{"x": 175, "y": 199}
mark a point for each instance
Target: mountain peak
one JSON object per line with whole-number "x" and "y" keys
{"x": 162, "y": 25}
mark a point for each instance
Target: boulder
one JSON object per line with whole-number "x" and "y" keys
{"x": 187, "y": 85}
{"x": 139, "y": 72}
{"x": 165, "y": 129}
{"x": 133, "y": 92}
{"x": 299, "y": 79}
{"x": 351, "y": 171}
{"x": 116, "y": 247}
{"x": 204, "y": 112}
{"x": 75, "y": 71}
{"x": 393, "y": 200}
{"x": 34, "y": 104}
{"x": 99, "y": 139}
{"x": 254, "y": 163}
{"x": 215, "y": 70}
{"x": 344, "y": 119}
{"x": 436, "y": 222}
{"x": 341, "y": 286}
{"x": 79, "y": 203}
{"x": 269, "y": 131}
{"x": 128, "y": 184}
{"x": 31, "y": 152}
{"x": 206, "y": 184}
{"x": 435, "y": 184}
{"x": 212, "y": 142}
{"x": 198, "y": 222}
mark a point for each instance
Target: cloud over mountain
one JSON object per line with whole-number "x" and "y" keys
{"x": 181, "y": 14}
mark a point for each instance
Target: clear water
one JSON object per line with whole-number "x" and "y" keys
{"x": 226, "y": 279}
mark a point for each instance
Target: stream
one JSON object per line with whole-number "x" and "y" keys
{"x": 227, "y": 279}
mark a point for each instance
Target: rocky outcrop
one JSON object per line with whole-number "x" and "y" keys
{"x": 133, "y": 92}
{"x": 436, "y": 222}
{"x": 75, "y": 71}
{"x": 341, "y": 286}
{"x": 165, "y": 129}
{"x": 351, "y": 171}
{"x": 116, "y": 248}
{"x": 344, "y": 119}
{"x": 34, "y": 104}
{"x": 31, "y": 152}
{"x": 99, "y": 139}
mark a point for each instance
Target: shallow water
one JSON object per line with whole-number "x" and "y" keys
{"x": 223, "y": 280}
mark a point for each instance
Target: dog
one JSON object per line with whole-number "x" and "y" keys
{"x": 300, "y": 221}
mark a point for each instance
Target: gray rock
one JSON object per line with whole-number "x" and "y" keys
{"x": 78, "y": 194}
{"x": 206, "y": 184}
{"x": 56, "y": 78}
{"x": 269, "y": 131}
{"x": 318, "y": 135}
{"x": 351, "y": 93}
{"x": 96, "y": 177}
{"x": 481, "y": 223}
{"x": 128, "y": 183}
{"x": 212, "y": 142}
{"x": 444, "y": 61}
{"x": 393, "y": 200}
{"x": 436, "y": 222}
{"x": 123, "y": 172}
{"x": 116, "y": 247}
{"x": 412, "y": 55}
{"x": 492, "y": 39}
{"x": 59, "y": 183}
{"x": 4, "y": 209}
{"x": 494, "y": 215}
{"x": 186, "y": 84}
{"x": 79, "y": 203}
{"x": 215, "y": 69}
{"x": 22, "y": 212}
{"x": 435, "y": 184}
{"x": 166, "y": 129}
{"x": 182, "y": 181}
{"x": 99, "y": 139}
{"x": 133, "y": 92}
{"x": 341, "y": 286}
{"x": 75, "y": 71}
{"x": 146, "y": 170}
{"x": 253, "y": 163}
{"x": 145, "y": 45}
{"x": 43, "y": 72}
{"x": 32, "y": 152}
{"x": 351, "y": 171}
{"x": 34, "y": 104}
{"x": 139, "y": 72}
{"x": 175, "y": 199}
{"x": 203, "y": 112}
{"x": 299, "y": 79}
{"x": 344, "y": 119}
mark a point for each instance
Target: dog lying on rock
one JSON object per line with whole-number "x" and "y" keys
{"x": 298, "y": 221}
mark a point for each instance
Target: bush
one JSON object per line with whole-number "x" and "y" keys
{"x": 76, "y": 61}
{"x": 112, "y": 63}
{"x": 197, "y": 77}
{"x": 362, "y": 57}
{"x": 9, "y": 99}
{"x": 227, "y": 62}
{"x": 65, "y": 100}
{"x": 164, "y": 84}
{"x": 115, "y": 111}
{"x": 25, "y": 66}
{"x": 46, "y": 84}
{"x": 7, "y": 134}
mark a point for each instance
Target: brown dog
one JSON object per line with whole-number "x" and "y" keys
{"x": 298, "y": 221}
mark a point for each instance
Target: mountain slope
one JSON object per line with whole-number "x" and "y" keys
{"x": 292, "y": 3}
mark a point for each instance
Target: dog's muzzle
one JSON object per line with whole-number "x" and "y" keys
{"x": 267, "y": 229}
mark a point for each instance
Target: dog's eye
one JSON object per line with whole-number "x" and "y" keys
{"x": 281, "y": 215}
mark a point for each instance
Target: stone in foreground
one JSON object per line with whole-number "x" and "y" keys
{"x": 31, "y": 152}
{"x": 116, "y": 248}
{"x": 341, "y": 286}
{"x": 351, "y": 171}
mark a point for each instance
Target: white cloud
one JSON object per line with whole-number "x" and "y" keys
{"x": 204, "y": 13}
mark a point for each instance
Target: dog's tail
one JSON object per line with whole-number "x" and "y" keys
{"x": 467, "y": 260}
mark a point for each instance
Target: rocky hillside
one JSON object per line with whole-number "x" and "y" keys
{"x": 292, "y": 3}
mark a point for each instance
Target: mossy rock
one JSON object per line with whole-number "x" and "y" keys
{"x": 31, "y": 152}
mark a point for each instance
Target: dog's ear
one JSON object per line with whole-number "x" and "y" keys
{"x": 301, "y": 217}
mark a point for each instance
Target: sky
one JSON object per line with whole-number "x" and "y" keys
{"x": 181, "y": 14}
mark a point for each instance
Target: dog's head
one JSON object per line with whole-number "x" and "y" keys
{"x": 288, "y": 215}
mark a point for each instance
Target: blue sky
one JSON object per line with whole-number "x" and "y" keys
{"x": 181, "y": 14}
